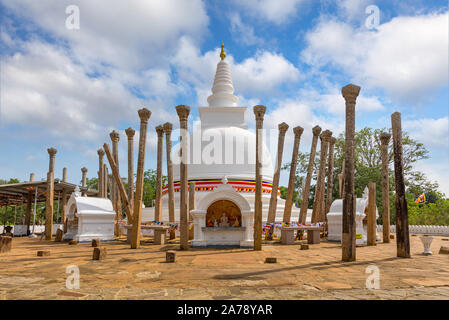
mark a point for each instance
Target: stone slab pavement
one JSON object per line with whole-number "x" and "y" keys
{"x": 317, "y": 273}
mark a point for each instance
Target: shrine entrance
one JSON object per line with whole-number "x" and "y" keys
{"x": 223, "y": 218}
{"x": 223, "y": 214}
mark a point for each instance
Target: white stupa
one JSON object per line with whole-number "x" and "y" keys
{"x": 228, "y": 150}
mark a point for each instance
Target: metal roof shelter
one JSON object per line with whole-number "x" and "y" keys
{"x": 16, "y": 193}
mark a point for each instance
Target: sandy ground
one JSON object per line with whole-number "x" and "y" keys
{"x": 317, "y": 273}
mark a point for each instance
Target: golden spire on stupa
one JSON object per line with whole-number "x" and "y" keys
{"x": 222, "y": 53}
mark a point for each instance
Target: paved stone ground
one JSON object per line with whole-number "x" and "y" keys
{"x": 317, "y": 273}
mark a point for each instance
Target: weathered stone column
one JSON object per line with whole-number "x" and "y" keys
{"x": 371, "y": 228}
{"x": 171, "y": 193}
{"x": 130, "y": 132}
{"x": 84, "y": 178}
{"x": 115, "y": 137}
{"x": 100, "y": 172}
{"x": 402, "y": 231}
{"x": 306, "y": 190}
{"x": 50, "y": 194}
{"x": 341, "y": 176}
{"x": 385, "y": 140}
{"x": 291, "y": 180}
{"x": 259, "y": 112}
{"x": 64, "y": 196}
{"x": 120, "y": 185}
{"x": 29, "y": 204}
{"x": 105, "y": 180}
{"x": 110, "y": 179}
{"x": 318, "y": 205}
{"x": 183, "y": 113}
{"x": 144, "y": 115}
{"x": 191, "y": 198}
{"x": 330, "y": 175}
{"x": 158, "y": 200}
{"x": 283, "y": 127}
{"x": 350, "y": 93}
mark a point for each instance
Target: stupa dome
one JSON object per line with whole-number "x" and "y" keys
{"x": 227, "y": 151}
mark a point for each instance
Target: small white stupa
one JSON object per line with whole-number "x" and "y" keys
{"x": 89, "y": 218}
{"x": 335, "y": 222}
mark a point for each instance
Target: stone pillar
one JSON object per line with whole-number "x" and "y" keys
{"x": 183, "y": 113}
{"x": 341, "y": 178}
{"x": 120, "y": 185}
{"x": 283, "y": 127}
{"x": 64, "y": 174}
{"x": 385, "y": 140}
{"x": 371, "y": 232}
{"x": 306, "y": 190}
{"x": 100, "y": 172}
{"x": 402, "y": 231}
{"x": 115, "y": 137}
{"x": 259, "y": 112}
{"x": 291, "y": 180}
{"x": 158, "y": 200}
{"x": 318, "y": 205}
{"x": 330, "y": 175}
{"x": 105, "y": 180}
{"x": 191, "y": 198}
{"x": 350, "y": 93}
{"x": 84, "y": 179}
{"x": 130, "y": 132}
{"x": 29, "y": 204}
{"x": 50, "y": 194}
{"x": 64, "y": 196}
{"x": 144, "y": 115}
{"x": 110, "y": 179}
{"x": 171, "y": 193}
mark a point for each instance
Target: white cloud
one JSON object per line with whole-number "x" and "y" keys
{"x": 129, "y": 34}
{"x": 333, "y": 102}
{"x": 43, "y": 89}
{"x": 242, "y": 32}
{"x": 433, "y": 133}
{"x": 353, "y": 9}
{"x": 274, "y": 11}
{"x": 262, "y": 74}
{"x": 407, "y": 56}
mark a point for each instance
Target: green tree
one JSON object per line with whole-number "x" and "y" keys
{"x": 92, "y": 183}
{"x": 368, "y": 167}
{"x": 149, "y": 186}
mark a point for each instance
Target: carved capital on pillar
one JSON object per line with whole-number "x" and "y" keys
{"x": 298, "y": 131}
{"x": 283, "y": 127}
{"x": 259, "y": 112}
{"x": 350, "y": 92}
{"x": 52, "y": 152}
{"x": 332, "y": 141}
{"x": 115, "y": 136}
{"x": 144, "y": 115}
{"x": 168, "y": 127}
{"x": 130, "y": 132}
{"x": 326, "y": 135}
{"x": 183, "y": 112}
{"x": 100, "y": 153}
{"x": 385, "y": 138}
{"x": 160, "y": 131}
{"x": 316, "y": 130}
{"x": 84, "y": 170}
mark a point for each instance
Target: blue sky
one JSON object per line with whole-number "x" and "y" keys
{"x": 70, "y": 88}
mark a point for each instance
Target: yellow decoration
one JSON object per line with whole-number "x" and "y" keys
{"x": 222, "y": 53}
